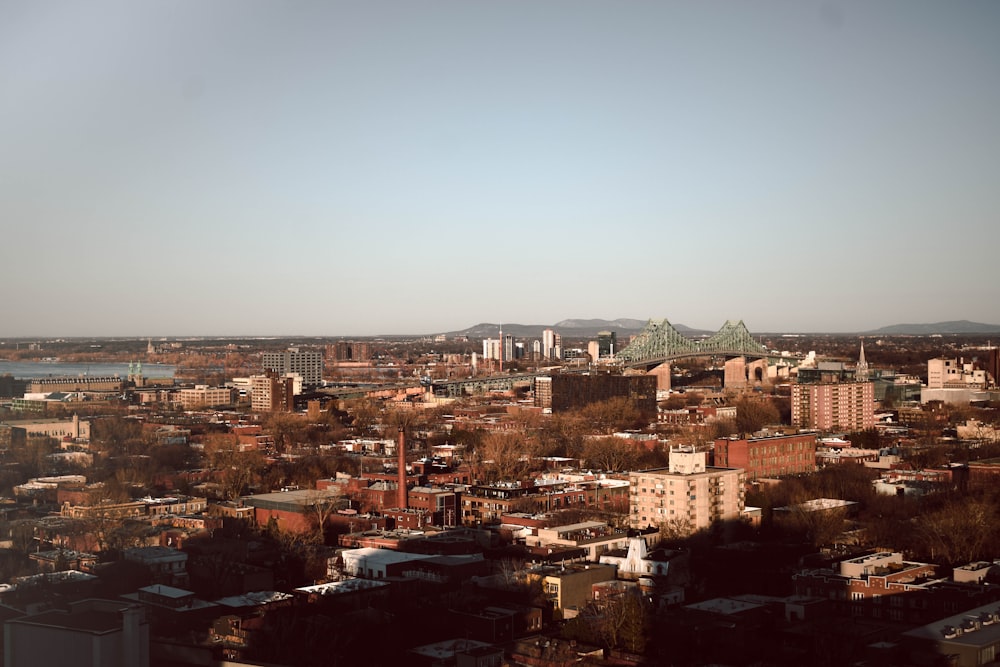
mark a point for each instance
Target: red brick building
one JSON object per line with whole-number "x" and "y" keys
{"x": 772, "y": 456}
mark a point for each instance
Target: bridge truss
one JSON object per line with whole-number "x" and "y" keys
{"x": 659, "y": 341}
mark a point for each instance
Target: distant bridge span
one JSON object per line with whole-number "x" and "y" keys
{"x": 660, "y": 342}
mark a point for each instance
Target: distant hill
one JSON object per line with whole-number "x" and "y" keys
{"x": 953, "y": 327}
{"x": 573, "y": 328}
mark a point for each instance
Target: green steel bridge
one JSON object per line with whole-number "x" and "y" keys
{"x": 660, "y": 342}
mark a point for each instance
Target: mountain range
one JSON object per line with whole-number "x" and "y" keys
{"x": 588, "y": 328}
{"x": 951, "y": 327}
{"x": 572, "y": 328}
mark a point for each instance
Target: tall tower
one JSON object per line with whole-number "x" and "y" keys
{"x": 861, "y": 372}
{"x": 501, "y": 347}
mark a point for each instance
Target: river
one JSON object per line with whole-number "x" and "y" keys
{"x": 29, "y": 370}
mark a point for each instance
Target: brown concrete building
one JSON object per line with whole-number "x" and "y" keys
{"x": 572, "y": 390}
{"x": 111, "y": 383}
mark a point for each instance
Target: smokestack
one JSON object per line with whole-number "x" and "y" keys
{"x": 401, "y": 452}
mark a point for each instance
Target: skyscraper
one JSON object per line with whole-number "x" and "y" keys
{"x": 548, "y": 343}
{"x": 607, "y": 344}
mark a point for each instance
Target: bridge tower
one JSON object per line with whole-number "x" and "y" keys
{"x": 662, "y": 373}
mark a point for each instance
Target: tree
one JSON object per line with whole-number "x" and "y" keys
{"x": 504, "y": 455}
{"x": 676, "y": 529}
{"x": 961, "y": 531}
{"x": 609, "y": 453}
{"x": 286, "y": 429}
{"x": 626, "y": 622}
{"x": 365, "y": 415}
{"x": 235, "y": 470}
{"x": 319, "y": 509}
{"x": 753, "y": 413}
{"x": 614, "y": 414}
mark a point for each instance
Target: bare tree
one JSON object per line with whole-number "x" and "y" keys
{"x": 609, "y": 453}
{"x": 319, "y": 509}
{"x": 505, "y": 455}
{"x": 754, "y": 413}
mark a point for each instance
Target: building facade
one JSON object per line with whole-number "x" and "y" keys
{"x": 689, "y": 495}
{"x": 771, "y": 456}
{"x": 272, "y": 394}
{"x": 848, "y": 406}
{"x": 97, "y": 633}
{"x": 308, "y": 365}
{"x": 203, "y": 396}
{"x": 568, "y": 391}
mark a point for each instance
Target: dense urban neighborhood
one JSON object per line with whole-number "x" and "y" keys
{"x": 636, "y": 493}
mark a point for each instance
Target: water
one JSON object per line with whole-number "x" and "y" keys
{"x": 28, "y": 370}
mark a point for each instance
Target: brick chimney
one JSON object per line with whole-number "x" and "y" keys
{"x": 401, "y": 452}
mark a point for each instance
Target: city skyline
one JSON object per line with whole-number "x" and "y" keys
{"x": 394, "y": 168}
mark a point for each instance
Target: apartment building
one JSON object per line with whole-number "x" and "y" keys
{"x": 308, "y": 365}
{"x": 769, "y": 456}
{"x": 688, "y": 494}
{"x": 848, "y": 406}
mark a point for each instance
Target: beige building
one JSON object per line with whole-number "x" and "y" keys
{"x": 202, "y": 396}
{"x": 269, "y": 393}
{"x": 74, "y": 428}
{"x": 688, "y": 495}
{"x": 954, "y": 374}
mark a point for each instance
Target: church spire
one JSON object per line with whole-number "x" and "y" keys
{"x": 861, "y": 372}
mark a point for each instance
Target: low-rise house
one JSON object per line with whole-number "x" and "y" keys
{"x": 64, "y": 559}
{"x": 967, "y": 639}
{"x": 166, "y": 566}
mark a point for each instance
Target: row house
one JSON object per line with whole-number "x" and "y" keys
{"x": 884, "y": 586}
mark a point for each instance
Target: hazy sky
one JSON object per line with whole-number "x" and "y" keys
{"x": 329, "y": 168}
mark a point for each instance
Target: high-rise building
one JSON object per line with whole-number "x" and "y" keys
{"x": 688, "y": 495}
{"x": 847, "y": 406}
{"x": 309, "y": 365}
{"x": 272, "y": 394}
{"x": 548, "y": 343}
{"x": 570, "y": 391}
{"x": 350, "y": 350}
{"x": 508, "y": 347}
{"x": 491, "y": 348}
{"x": 607, "y": 344}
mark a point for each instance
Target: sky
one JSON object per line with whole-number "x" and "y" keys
{"x": 246, "y": 167}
